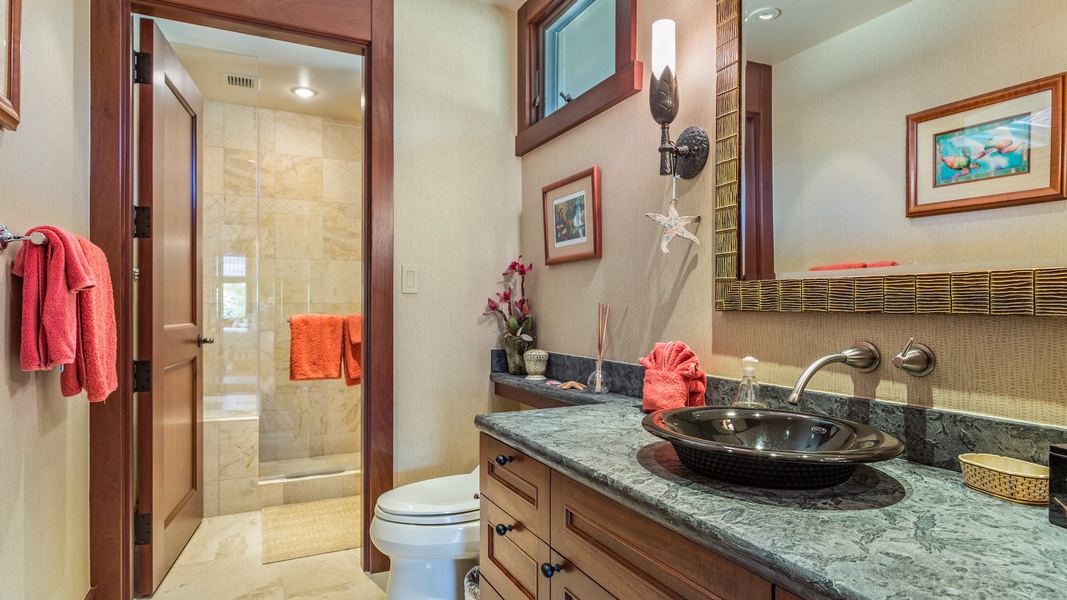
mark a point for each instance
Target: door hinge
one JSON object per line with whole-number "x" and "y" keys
{"x": 142, "y": 221}
{"x": 142, "y": 376}
{"x": 142, "y": 67}
{"x": 142, "y": 529}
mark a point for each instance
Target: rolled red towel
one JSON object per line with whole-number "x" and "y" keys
{"x": 673, "y": 378}
{"x": 882, "y": 263}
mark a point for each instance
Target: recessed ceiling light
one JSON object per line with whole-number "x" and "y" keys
{"x": 304, "y": 92}
{"x": 765, "y": 14}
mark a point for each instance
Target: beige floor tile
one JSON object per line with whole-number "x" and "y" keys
{"x": 223, "y": 561}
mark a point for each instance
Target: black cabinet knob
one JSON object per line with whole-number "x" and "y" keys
{"x": 503, "y": 460}
{"x": 549, "y": 570}
{"x": 501, "y": 529}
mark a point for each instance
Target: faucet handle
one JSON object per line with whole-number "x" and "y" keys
{"x": 915, "y": 359}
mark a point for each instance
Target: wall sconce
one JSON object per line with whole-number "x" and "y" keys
{"x": 687, "y": 157}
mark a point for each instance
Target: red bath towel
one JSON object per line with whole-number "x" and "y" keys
{"x": 94, "y": 368}
{"x": 316, "y": 347}
{"x": 673, "y": 378}
{"x": 353, "y": 349}
{"x": 52, "y": 275}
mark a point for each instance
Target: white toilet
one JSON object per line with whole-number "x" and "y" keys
{"x": 429, "y": 530}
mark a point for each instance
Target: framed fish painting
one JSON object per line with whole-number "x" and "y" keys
{"x": 1004, "y": 148}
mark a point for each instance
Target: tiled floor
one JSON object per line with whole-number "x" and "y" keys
{"x": 224, "y": 561}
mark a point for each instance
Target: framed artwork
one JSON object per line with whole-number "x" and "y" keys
{"x": 571, "y": 210}
{"x": 11, "y": 44}
{"x": 1003, "y": 148}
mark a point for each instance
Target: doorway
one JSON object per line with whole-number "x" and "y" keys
{"x": 362, "y": 27}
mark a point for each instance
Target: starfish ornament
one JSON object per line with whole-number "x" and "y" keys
{"x": 674, "y": 225}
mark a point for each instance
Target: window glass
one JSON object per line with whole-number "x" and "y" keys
{"x": 234, "y": 301}
{"x": 579, "y": 48}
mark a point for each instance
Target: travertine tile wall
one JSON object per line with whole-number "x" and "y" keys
{"x": 303, "y": 234}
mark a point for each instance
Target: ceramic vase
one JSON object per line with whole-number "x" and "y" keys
{"x": 514, "y": 347}
{"x": 536, "y": 362}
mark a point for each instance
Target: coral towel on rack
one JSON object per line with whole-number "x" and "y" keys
{"x": 94, "y": 368}
{"x": 315, "y": 351}
{"x": 353, "y": 349}
{"x": 52, "y": 275}
{"x": 673, "y": 378}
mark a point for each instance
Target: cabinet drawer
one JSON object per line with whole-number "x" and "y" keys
{"x": 571, "y": 584}
{"x": 784, "y": 594}
{"x": 485, "y": 589}
{"x": 516, "y": 483}
{"x": 633, "y": 557}
{"x": 512, "y": 562}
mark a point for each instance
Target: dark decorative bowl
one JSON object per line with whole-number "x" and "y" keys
{"x": 770, "y": 448}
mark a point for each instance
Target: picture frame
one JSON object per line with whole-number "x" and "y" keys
{"x": 571, "y": 217}
{"x": 1003, "y": 148}
{"x": 11, "y": 42}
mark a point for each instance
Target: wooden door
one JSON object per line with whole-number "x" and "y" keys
{"x": 169, "y": 317}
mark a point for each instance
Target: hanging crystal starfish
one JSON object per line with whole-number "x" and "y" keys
{"x": 674, "y": 225}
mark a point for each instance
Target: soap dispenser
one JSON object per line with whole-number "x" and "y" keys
{"x": 748, "y": 390}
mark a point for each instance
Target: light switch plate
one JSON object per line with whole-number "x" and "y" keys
{"x": 409, "y": 279}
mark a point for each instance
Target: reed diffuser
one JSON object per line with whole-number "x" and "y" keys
{"x": 598, "y": 381}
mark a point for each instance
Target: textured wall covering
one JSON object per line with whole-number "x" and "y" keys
{"x": 457, "y": 214}
{"x": 44, "y": 519}
{"x": 669, "y": 295}
{"x": 842, "y": 105}
{"x": 998, "y": 366}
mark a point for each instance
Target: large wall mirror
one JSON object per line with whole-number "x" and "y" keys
{"x": 813, "y": 159}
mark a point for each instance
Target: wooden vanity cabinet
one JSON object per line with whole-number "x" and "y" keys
{"x": 595, "y": 547}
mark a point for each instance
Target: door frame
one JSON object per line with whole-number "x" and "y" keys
{"x": 360, "y": 26}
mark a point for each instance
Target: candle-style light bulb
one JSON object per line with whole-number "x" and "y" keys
{"x": 663, "y": 47}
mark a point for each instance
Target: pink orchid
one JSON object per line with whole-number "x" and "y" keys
{"x": 517, "y": 320}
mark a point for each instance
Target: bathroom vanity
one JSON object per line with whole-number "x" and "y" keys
{"x": 581, "y": 502}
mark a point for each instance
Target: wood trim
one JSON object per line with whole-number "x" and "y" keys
{"x": 111, "y": 498}
{"x": 758, "y": 204}
{"x": 1031, "y": 292}
{"x": 90, "y": 594}
{"x": 378, "y": 278}
{"x": 1055, "y": 189}
{"x": 9, "y": 102}
{"x": 594, "y": 175}
{"x": 626, "y": 81}
{"x": 524, "y": 397}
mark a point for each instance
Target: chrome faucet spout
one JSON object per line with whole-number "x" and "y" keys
{"x": 863, "y": 356}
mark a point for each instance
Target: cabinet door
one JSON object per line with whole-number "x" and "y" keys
{"x": 784, "y": 594}
{"x": 571, "y": 584}
{"x": 512, "y": 561}
{"x": 633, "y": 557}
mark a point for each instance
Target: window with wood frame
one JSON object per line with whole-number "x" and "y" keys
{"x": 577, "y": 58}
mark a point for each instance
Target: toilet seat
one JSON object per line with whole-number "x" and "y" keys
{"x": 440, "y": 501}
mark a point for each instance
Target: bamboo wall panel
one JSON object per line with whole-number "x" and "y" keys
{"x": 1041, "y": 292}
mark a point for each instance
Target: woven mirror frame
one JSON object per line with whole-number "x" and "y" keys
{"x": 1034, "y": 292}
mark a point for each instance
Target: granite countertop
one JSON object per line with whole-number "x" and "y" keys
{"x": 897, "y": 530}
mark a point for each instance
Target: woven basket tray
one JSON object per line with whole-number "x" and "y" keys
{"x": 1007, "y": 478}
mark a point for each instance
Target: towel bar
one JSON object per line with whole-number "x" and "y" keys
{"x": 6, "y": 237}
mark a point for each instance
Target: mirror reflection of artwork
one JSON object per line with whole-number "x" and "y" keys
{"x": 570, "y": 219}
{"x": 986, "y": 151}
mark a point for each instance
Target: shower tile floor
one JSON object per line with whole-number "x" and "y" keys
{"x": 277, "y": 468}
{"x": 224, "y": 561}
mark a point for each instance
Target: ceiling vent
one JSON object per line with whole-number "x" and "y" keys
{"x": 242, "y": 81}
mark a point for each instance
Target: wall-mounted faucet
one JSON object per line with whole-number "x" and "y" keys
{"x": 863, "y": 356}
{"x": 915, "y": 359}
